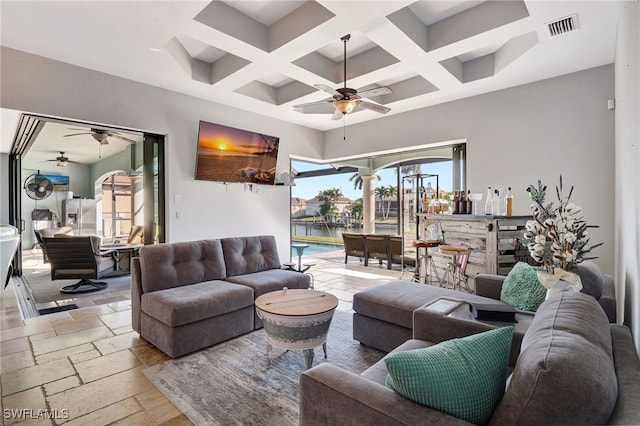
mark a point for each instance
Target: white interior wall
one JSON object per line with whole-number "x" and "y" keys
{"x": 515, "y": 137}
{"x": 208, "y": 209}
{"x": 627, "y": 127}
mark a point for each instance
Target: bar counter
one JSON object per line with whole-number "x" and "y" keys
{"x": 491, "y": 238}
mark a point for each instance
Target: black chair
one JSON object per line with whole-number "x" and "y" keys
{"x": 79, "y": 257}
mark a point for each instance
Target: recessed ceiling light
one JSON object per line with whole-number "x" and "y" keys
{"x": 155, "y": 49}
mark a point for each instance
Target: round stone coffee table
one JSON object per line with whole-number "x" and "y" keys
{"x": 296, "y": 319}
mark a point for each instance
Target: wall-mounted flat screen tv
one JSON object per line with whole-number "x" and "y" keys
{"x": 226, "y": 154}
{"x": 60, "y": 183}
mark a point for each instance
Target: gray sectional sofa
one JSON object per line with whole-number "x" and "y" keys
{"x": 190, "y": 295}
{"x": 572, "y": 367}
{"x": 383, "y": 315}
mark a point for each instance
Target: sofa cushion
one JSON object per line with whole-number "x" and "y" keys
{"x": 591, "y": 278}
{"x": 166, "y": 266}
{"x": 378, "y": 372}
{"x": 463, "y": 377}
{"x": 395, "y": 301}
{"x": 245, "y": 255}
{"x": 565, "y": 372}
{"x": 184, "y": 305}
{"x": 522, "y": 289}
{"x": 271, "y": 280}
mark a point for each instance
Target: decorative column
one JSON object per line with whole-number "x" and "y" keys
{"x": 368, "y": 204}
{"x": 137, "y": 201}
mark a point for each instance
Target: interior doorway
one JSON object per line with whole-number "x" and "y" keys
{"x": 121, "y": 170}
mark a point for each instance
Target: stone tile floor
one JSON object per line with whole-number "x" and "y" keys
{"x": 83, "y": 367}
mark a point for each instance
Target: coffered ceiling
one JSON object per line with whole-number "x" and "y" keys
{"x": 266, "y": 56}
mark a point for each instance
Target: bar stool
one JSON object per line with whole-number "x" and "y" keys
{"x": 426, "y": 262}
{"x": 454, "y": 274}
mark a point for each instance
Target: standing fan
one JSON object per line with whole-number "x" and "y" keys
{"x": 38, "y": 187}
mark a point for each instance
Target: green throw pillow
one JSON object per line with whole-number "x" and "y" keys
{"x": 463, "y": 377}
{"x": 522, "y": 289}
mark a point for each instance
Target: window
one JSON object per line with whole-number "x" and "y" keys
{"x": 327, "y": 199}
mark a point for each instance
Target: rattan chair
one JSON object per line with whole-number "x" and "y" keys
{"x": 353, "y": 245}
{"x": 376, "y": 246}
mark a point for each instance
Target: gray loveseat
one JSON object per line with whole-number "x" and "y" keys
{"x": 190, "y": 295}
{"x": 573, "y": 367}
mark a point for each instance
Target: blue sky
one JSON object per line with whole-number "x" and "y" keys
{"x": 309, "y": 187}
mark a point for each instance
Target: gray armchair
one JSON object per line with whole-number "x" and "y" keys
{"x": 79, "y": 257}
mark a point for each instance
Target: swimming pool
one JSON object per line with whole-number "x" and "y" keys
{"x": 315, "y": 248}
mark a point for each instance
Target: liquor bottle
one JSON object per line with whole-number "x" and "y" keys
{"x": 469, "y": 206}
{"x": 455, "y": 203}
{"x": 509, "y": 202}
{"x": 495, "y": 203}
{"x": 487, "y": 204}
{"x": 462, "y": 203}
{"x": 428, "y": 199}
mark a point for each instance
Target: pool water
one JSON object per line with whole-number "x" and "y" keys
{"x": 315, "y": 248}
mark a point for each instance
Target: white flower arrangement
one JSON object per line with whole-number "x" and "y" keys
{"x": 557, "y": 237}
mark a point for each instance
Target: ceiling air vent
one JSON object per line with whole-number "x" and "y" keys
{"x": 562, "y": 26}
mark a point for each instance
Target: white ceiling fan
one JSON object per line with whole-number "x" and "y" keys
{"x": 101, "y": 136}
{"x": 345, "y": 99}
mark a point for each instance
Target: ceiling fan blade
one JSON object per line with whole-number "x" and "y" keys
{"x": 314, "y": 103}
{"x": 122, "y": 138}
{"x": 337, "y": 115}
{"x": 77, "y": 134}
{"x": 374, "y": 107}
{"x": 377, "y": 91}
{"x": 329, "y": 90}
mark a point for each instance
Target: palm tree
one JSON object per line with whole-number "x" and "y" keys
{"x": 357, "y": 180}
{"x": 356, "y": 208}
{"x": 380, "y": 193}
{"x": 392, "y": 193}
{"x": 412, "y": 169}
{"x": 329, "y": 198}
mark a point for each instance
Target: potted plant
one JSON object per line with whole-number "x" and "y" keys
{"x": 557, "y": 237}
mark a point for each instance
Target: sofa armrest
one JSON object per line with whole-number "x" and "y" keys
{"x": 330, "y": 395}
{"x": 608, "y": 298}
{"x": 627, "y": 365}
{"x": 489, "y": 285}
{"x": 435, "y": 327}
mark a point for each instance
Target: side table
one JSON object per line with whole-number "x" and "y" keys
{"x": 296, "y": 319}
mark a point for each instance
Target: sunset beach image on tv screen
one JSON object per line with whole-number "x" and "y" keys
{"x": 226, "y": 154}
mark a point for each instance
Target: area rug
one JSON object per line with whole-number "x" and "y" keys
{"x": 230, "y": 384}
{"x": 43, "y": 290}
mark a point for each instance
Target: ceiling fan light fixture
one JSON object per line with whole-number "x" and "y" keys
{"x": 345, "y": 106}
{"x": 61, "y": 163}
{"x": 100, "y": 137}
